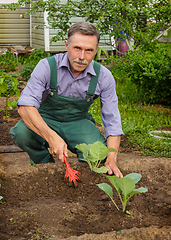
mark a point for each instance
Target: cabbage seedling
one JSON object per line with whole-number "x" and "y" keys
{"x": 125, "y": 187}
{"x": 94, "y": 154}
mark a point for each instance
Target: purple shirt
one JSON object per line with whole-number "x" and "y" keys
{"x": 37, "y": 89}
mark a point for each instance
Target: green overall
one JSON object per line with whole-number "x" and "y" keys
{"x": 68, "y": 117}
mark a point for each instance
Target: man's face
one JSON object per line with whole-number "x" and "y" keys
{"x": 81, "y": 50}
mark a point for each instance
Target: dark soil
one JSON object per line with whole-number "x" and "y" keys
{"x": 6, "y": 123}
{"x": 38, "y": 204}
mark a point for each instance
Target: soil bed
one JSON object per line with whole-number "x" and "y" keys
{"x": 38, "y": 203}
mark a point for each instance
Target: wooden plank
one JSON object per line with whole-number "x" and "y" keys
{"x": 14, "y": 36}
{"x": 15, "y": 21}
{"x": 15, "y": 41}
{"x": 58, "y": 43}
{"x": 57, "y": 49}
{"x": 38, "y": 15}
{"x": 10, "y": 149}
{"x": 37, "y": 46}
{"x": 14, "y": 26}
{"x": 38, "y": 31}
{"x": 38, "y": 36}
{"x": 37, "y": 42}
{"x": 13, "y": 16}
{"x": 13, "y": 31}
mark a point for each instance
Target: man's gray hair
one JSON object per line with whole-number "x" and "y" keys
{"x": 84, "y": 28}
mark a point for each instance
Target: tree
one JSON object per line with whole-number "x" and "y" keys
{"x": 137, "y": 21}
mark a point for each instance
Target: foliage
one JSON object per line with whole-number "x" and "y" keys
{"x": 125, "y": 187}
{"x": 94, "y": 154}
{"x": 35, "y": 56}
{"x": 95, "y": 111}
{"x": 149, "y": 70}
{"x": 137, "y": 121}
{"x": 26, "y": 71}
{"x": 8, "y": 88}
{"x": 99, "y": 52}
{"x": 30, "y": 62}
{"x": 120, "y": 18}
{"x": 8, "y": 62}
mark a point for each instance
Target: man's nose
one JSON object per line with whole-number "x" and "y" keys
{"x": 82, "y": 54}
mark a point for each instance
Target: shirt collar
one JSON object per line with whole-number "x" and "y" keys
{"x": 89, "y": 69}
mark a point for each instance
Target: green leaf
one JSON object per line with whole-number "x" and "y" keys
{"x": 12, "y": 104}
{"x": 137, "y": 191}
{"x": 134, "y": 176}
{"x": 126, "y": 185}
{"x": 1, "y": 80}
{"x": 111, "y": 150}
{"x": 106, "y": 188}
{"x": 113, "y": 180}
{"x": 3, "y": 88}
{"x": 83, "y": 148}
{"x": 18, "y": 93}
{"x": 102, "y": 169}
{"x": 98, "y": 151}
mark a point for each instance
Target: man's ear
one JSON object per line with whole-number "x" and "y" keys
{"x": 66, "y": 45}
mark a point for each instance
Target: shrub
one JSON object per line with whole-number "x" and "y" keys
{"x": 8, "y": 88}
{"x": 35, "y": 56}
{"x": 30, "y": 63}
{"x": 26, "y": 71}
{"x": 8, "y": 62}
{"x": 149, "y": 70}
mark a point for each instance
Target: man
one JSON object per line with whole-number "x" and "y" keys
{"x": 54, "y": 105}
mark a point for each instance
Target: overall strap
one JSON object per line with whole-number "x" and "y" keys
{"x": 94, "y": 79}
{"x": 53, "y": 70}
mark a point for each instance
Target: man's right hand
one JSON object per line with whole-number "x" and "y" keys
{"x": 57, "y": 146}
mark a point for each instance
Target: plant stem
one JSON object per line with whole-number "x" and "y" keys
{"x": 98, "y": 164}
{"x": 90, "y": 164}
{"x": 115, "y": 204}
{"x": 124, "y": 204}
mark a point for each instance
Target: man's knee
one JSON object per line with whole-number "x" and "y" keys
{"x": 21, "y": 134}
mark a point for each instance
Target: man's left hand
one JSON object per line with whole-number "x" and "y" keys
{"x": 113, "y": 169}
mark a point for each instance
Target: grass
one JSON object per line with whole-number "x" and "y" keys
{"x": 138, "y": 120}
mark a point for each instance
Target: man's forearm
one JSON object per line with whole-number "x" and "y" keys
{"x": 113, "y": 142}
{"x": 34, "y": 121}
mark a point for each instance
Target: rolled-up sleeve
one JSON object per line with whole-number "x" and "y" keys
{"x": 37, "y": 87}
{"x": 109, "y": 105}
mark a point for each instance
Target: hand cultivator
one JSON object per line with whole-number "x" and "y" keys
{"x": 71, "y": 174}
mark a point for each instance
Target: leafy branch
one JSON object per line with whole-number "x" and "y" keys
{"x": 139, "y": 20}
